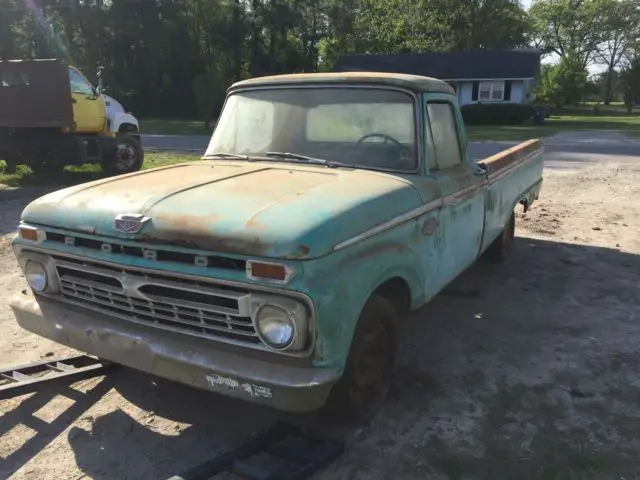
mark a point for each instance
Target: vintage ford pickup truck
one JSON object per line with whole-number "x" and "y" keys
{"x": 278, "y": 268}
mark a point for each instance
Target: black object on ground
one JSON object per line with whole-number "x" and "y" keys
{"x": 293, "y": 454}
{"x": 29, "y": 378}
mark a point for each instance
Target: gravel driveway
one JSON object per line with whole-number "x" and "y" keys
{"x": 527, "y": 370}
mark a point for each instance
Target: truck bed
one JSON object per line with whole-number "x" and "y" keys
{"x": 515, "y": 177}
{"x": 35, "y": 93}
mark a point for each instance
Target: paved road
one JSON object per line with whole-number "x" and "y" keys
{"x": 563, "y": 150}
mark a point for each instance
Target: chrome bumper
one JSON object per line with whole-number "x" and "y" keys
{"x": 175, "y": 357}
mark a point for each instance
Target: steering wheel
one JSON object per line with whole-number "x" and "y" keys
{"x": 382, "y": 135}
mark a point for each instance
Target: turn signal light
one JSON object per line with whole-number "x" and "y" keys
{"x": 30, "y": 233}
{"x": 269, "y": 271}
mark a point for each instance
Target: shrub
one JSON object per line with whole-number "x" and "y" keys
{"x": 496, "y": 113}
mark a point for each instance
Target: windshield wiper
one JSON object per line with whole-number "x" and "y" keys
{"x": 226, "y": 155}
{"x": 307, "y": 159}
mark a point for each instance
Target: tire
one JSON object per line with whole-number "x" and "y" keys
{"x": 126, "y": 156}
{"x": 366, "y": 379}
{"x": 499, "y": 250}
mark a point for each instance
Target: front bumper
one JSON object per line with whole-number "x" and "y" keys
{"x": 175, "y": 357}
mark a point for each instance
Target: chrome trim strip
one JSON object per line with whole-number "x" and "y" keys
{"x": 464, "y": 194}
{"x": 251, "y": 287}
{"x": 434, "y": 204}
{"x": 394, "y": 222}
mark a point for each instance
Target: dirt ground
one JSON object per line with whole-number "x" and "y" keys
{"x": 527, "y": 370}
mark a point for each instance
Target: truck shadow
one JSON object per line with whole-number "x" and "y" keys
{"x": 43, "y": 431}
{"x": 494, "y": 345}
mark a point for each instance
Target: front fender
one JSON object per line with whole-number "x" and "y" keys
{"x": 120, "y": 119}
{"x": 342, "y": 283}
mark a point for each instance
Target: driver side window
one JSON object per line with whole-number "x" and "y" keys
{"x": 79, "y": 84}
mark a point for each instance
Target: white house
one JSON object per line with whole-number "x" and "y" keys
{"x": 477, "y": 76}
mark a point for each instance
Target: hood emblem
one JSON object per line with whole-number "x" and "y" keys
{"x": 130, "y": 222}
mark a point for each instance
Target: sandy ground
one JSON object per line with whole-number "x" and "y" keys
{"x": 527, "y": 370}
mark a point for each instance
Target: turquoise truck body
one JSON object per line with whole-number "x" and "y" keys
{"x": 341, "y": 234}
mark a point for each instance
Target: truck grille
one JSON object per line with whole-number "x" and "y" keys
{"x": 186, "y": 306}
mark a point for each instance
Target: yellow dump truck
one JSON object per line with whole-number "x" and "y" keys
{"x": 52, "y": 116}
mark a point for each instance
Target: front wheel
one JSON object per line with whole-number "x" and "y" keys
{"x": 126, "y": 156}
{"x": 366, "y": 379}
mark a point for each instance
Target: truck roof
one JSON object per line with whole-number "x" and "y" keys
{"x": 415, "y": 83}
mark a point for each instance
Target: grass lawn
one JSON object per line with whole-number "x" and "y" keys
{"x": 73, "y": 175}
{"x": 629, "y": 124}
{"x": 164, "y": 126}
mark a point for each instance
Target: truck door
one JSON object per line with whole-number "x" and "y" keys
{"x": 89, "y": 111}
{"x": 462, "y": 185}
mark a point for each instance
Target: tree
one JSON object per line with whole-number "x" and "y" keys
{"x": 562, "y": 84}
{"x": 570, "y": 28}
{"x": 622, "y": 27}
{"x": 630, "y": 77}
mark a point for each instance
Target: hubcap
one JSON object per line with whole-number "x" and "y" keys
{"x": 125, "y": 156}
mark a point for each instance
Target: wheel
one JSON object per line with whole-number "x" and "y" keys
{"x": 499, "y": 250}
{"x": 125, "y": 157}
{"x": 366, "y": 379}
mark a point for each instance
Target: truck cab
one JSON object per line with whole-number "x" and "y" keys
{"x": 280, "y": 267}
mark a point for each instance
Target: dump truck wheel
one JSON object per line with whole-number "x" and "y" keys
{"x": 125, "y": 156}
{"x": 499, "y": 250}
{"x": 366, "y": 379}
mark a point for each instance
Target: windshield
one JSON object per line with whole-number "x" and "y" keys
{"x": 363, "y": 127}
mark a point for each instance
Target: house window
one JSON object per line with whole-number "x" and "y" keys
{"x": 491, "y": 91}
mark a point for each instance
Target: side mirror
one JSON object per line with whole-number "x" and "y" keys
{"x": 101, "y": 88}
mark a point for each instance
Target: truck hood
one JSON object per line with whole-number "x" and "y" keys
{"x": 245, "y": 208}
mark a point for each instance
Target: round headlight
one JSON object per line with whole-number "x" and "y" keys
{"x": 275, "y": 326}
{"x": 36, "y": 276}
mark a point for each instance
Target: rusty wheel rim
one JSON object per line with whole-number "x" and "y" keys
{"x": 372, "y": 366}
{"x": 125, "y": 156}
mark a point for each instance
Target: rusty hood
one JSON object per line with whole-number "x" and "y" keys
{"x": 245, "y": 208}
